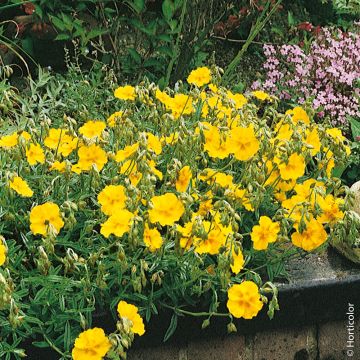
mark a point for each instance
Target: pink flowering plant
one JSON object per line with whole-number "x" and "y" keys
{"x": 326, "y": 72}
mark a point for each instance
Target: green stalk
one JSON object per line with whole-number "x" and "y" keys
{"x": 10, "y": 6}
{"x": 176, "y": 50}
{"x": 259, "y": 25}
{"x": 196, "y": 314}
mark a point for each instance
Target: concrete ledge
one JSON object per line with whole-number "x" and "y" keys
{"x": 327, "y": 341}
{"x": 312, "y": 324}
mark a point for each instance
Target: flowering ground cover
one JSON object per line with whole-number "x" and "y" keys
{"x": 327, "y": 73}
{"x": 194, "y": 196}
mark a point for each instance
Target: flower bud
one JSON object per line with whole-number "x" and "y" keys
{"x": 231, "y": 328}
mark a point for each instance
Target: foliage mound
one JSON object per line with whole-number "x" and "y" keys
{"x": 187, "y": 196}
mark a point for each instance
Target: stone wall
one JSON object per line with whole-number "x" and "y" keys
{"x": 319, "y": 342}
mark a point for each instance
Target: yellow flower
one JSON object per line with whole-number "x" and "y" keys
{"x": 112, "y": 199}
{"x": 128, "y": 151}
{"x": 212, "y": 176}
{"x": 2, "y": 254}
{"x": 205, "y": 207}
{"x": 162, "y": 96}
{"x": 117, "y": 224}
{"x": 152, "y": 238}
{"x": 295, "y": 205}
{"x": 60, "y": 140}
{"x": 183, "y": 179}
{"x": 347, "y": 150}
{"x": 330, "y": 163}
{"x": 76, "y": 168}
{"x": 215, "y": 238}
{"x": 35, "y": 154}
{"x": 154, "y": 143}
{"x": 200, "y": 76}
{"x": 45, "y": 219}
{"x": 336, "y": 134}
{"x": 21, "y": 187}
{"x": 294, "y": 168}
{"x": 213, "y": 88}
{"x": 171, "y": 139}
{"x": 58, "y": 166}
{"x": 130, "y": 316}
{"x": 125, "y": 93}
{"x": 244, "y": 300}
{"x": 237, "y": 262}
{"x": 284, "y": 131}
{"x": 154, "y": 170}
{"x": 261, "y": 95}
{"x": 92, "y": 129}
{"x": 180, "y": 104}
{"x": 215, "y": 142}
{"x": 166, "y": 210}
{"x": 264, "y": 233}
{"x": 311, "y": 238}
{"x": 243, "y": 143}
{"x": 238, "y": 99}
{"x": 313, "y": 139}
{"x": 25, "y": 135}
{"x": 9, "y": 141}
{"x": 299, "y": 114}
{"x": 214, "y": 102}
{"x": 282, "y": 187}
{"x": 91, "y": 155}
{"x": 113, "y": 118}
{"x": 240, "y": 194}
{"x": 330, "y": 209}
{"x": 91, "y": 344}
{"x": 129, "y": 168}
{"x": 307, "y": 191}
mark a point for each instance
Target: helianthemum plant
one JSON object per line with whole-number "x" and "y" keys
{"x": 199, "y": 193}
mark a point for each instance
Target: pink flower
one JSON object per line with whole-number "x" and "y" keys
{"x": 326, "y": 73}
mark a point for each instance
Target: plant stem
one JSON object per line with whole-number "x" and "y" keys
{"x": 54, "y": 347}
{"x": 259, "y": 25}
{"x": 196, "y": 314}
{"x": 176, "y": 50}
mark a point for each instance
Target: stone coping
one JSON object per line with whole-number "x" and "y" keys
{"x": 319, "y": 289}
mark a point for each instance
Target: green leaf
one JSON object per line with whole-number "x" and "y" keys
{"x": 162, "y": 83}
{"x": 62, "y": 37}
{"x": 178, "y": 4}
{"x": 28, "y": 45}
{"x": 355, "y": 127}
{"x": 67, "y": 336}
{"x": 39, "y": 11}
{"x": 291, "y": 20}
{"x": 95, "y": 33}
{"x": 173, "y": 24}
{"x": 57, "y": 23}
{"x": 68, "y": 20}
{"x": 152, "y": 63}
{"x": 338, "y": 171}
{"x": 140, "y": 4}
{"x": 166, "y": 50}
{"x": 137, "y": 5}
{"x": 168, "y": 9}
{"x": 172, "y": 327}
{"x": 165, "y": 37}
{"x": 277, "y": 30}
{"x": 135, "y": 55}
{"x": 40, "y": 344}
{"x": 139, "y": 25}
